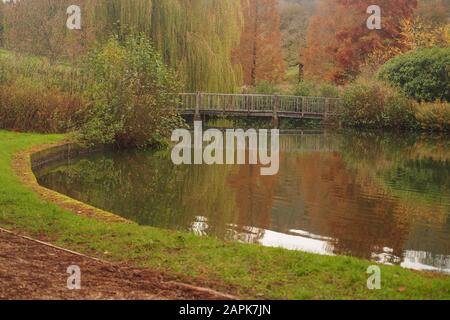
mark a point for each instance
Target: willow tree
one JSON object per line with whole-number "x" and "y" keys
{"x": 196, "y": 37}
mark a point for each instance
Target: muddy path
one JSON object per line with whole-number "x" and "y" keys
{"x": 33, "y": 270}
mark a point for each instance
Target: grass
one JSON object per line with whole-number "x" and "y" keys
{"x": 433, "y": 116}
{"x": 248, "y": 271}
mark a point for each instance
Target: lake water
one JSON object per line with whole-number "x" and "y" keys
{"x": 383, "y": 197}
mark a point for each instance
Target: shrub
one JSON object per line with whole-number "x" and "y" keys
{"x": 64, "y": 78}
{"x": 26, "y": 106}
{"x": 130, "y": 95}
{"x": 372, "y": 104}
{"x": 328, "y": 91}
{"x": 292, "y": 76}
{"x": 220, "y": 122}
{"x": 312, "y": 89}
{"x": 433, "y": 116}
{"x": 265, "y": 87}
{"x": 305, "y": 89}
{"x": 423, "y": 74}
{"x": 37, "y": 96}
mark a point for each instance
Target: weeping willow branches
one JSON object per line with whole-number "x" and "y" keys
{"x": 197, "y": 37}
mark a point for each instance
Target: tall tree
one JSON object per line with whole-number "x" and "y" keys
{"x": 317, "y": 58}
{"x": 295, "y": 18}
{"x": 2, "y": 22}
{"x": 434, "y": 11}
{"x": 348, "y": 41}
{"x": 196, "y": 37}
{"x": 35, "y": 26}
{"x": 260, "y": 52}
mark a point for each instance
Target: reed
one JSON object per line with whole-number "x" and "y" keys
{"x": 434, "y": 116}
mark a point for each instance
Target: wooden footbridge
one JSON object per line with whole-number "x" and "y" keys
{"x": 258, "y": 105}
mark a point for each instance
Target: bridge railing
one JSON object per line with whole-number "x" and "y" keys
{"x": 259, "y": 103}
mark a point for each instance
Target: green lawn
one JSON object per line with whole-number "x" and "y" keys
{"x": 249, "y": 271}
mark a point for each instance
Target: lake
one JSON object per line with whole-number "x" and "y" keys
{"x": 372, "y": 195}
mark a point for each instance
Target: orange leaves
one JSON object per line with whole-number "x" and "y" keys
{"x": 260, "y": 52}
{"x": 343, "y": 42}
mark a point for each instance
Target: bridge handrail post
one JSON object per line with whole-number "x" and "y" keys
{"x": 198, "y": 98}
{"x": 303, "y": 106}
{"x": 224, "y": 106}
{"x": 276, "y": 108}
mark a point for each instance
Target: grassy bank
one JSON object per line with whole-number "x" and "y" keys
{"x": 249, "y": 271}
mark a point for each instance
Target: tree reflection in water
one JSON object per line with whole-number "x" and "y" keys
{"x": 384, "y": 197}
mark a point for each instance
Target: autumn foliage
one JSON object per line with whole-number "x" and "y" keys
{"x": 339, "y": 40}
{"x": 260, "y": 53}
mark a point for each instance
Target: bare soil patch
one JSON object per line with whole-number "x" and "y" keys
{"x": 32, "y": 270}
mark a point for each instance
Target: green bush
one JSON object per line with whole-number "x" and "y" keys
{"x": 372, "y": 104}
{"x": 130, "y": 95}
{"x": 313, "y": 89}
{"x": 265, "y": 87}
{"x": 305, "y": 89}
{"x": 423, "y": 75}
{"x": 328, "y": 91}
{"x": 37, "y": 96}
{"x": 122, "y": 94}
{"x": 433, "y": 116}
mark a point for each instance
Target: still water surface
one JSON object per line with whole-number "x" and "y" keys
{"x": 384, "y": 197}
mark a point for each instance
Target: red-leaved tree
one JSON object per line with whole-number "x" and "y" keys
{"x": 339, "y": 40}
{"x": 260, "y": 53}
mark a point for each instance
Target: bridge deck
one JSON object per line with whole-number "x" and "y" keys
{"x": 257, "y": 105}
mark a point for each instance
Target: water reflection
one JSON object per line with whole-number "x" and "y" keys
{"x": 375, "y": 196}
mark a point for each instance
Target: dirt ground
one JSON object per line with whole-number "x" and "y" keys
{"x": 31, "y": 270}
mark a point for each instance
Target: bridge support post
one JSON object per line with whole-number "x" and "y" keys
{"x": 276, "y": 107}
{"x": 303, "y": 107}
{"x": 197, "y": 116}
